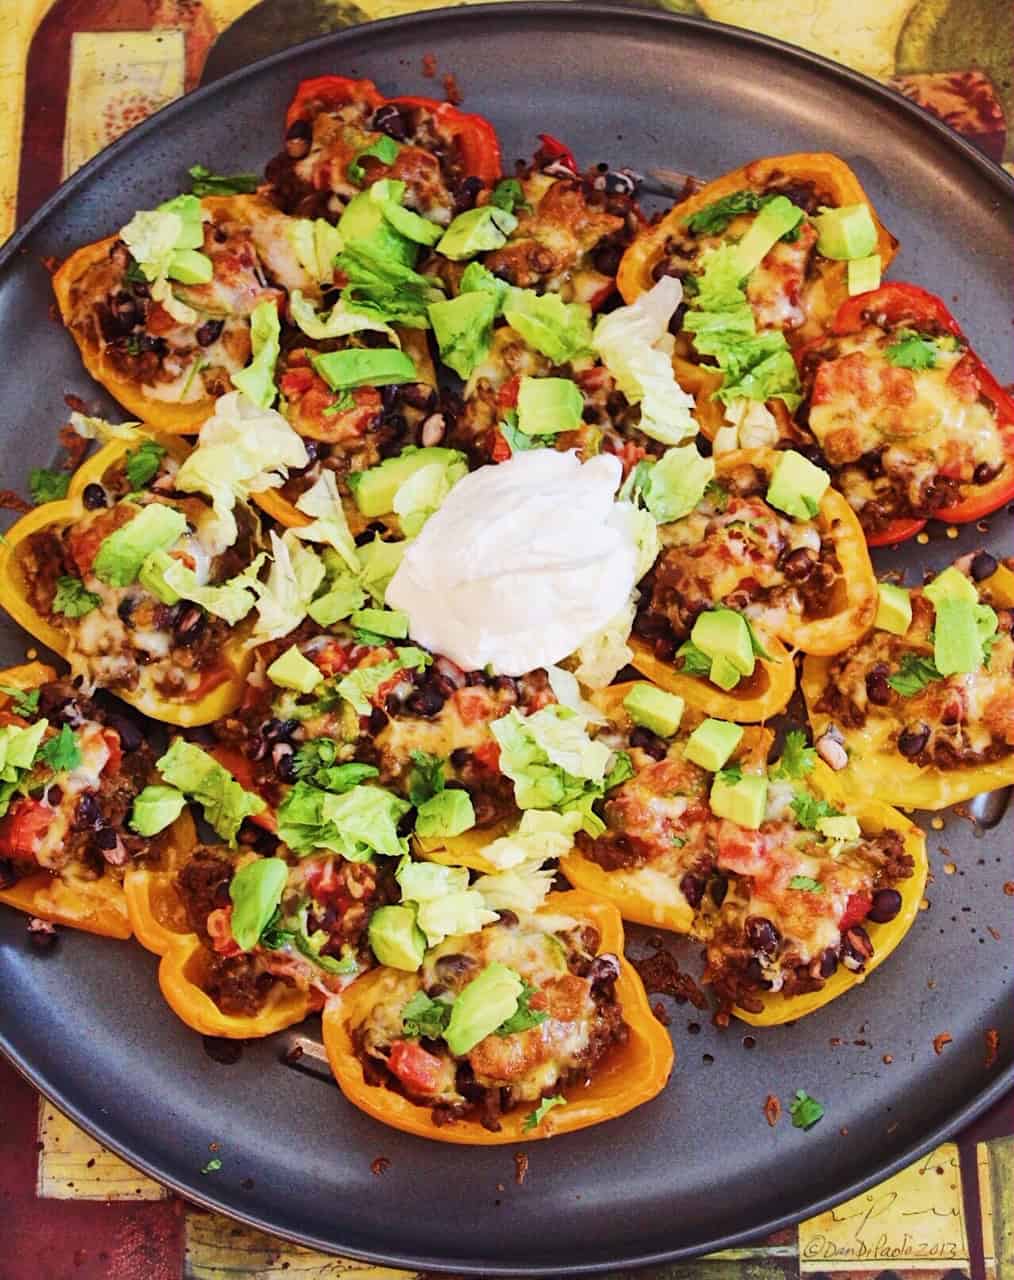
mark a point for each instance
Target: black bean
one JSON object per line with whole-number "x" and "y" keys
{"x": 762, "y": 935}
{"x": 94, "y": 497}
{"x": 149, "y": 343}
{"x": 692, "y": 888}
{"x": 651, "y": 625}
{"x": 419, "y": 395}
{"x": 105, "y": 838}
{"x": 886, "y": 905}
{"x": 454, "y": 965}
{"x": 378, "y": 720}
{"x": 282, "y": 759}
{"x": 131, "y": 734}
{"x": 983, "y": 565}
{"x": 664, "y": 268}
{"x": 798, "y": 565}
{"x": 388, "y": 396}
{"x": 188, "y": 624}
{"x": 676, "y": 319}
{"x": 754, "y": 974}
{"x": 124, "y": 310}
{"x": 7, "y": 873}
{"x": 877, "y": 689}
{"x": 604, "y": 971}
{"x": 389, "y": 119}
{"x": 620, "y": 183}
{"x": 913, "y": 739}
{"x": 125, "y": 609}
{"x": 466, "y": 194}
{"x": 87, "y": 814}
{"x": 426, "y": 702}
{"x": 53, "y": 796}
{"x": 505, "y": 684}
{"x": 718, "y": 888}
{"x": 41, "y": 934}
{"x": 508, "y": 918}
{"x": 607, "y": 259}
{"x": 209, "y": 332}
{"x": 460, "y": 757}
{"x": 856, "y": 948}
{"x": 276, "y": 730}
{"x": 985, "y": 472}
{"x": 828, "y": 962}
{"x": 872, "y": 465}
{"x": 649, "y": 742}
{"x": 297, "y": 139}
{"x": 665, "y": 648}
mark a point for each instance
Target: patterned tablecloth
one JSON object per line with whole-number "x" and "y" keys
{"x": 77, "y": 74}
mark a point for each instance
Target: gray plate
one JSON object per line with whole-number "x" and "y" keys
{"x": 698, "y": 1168}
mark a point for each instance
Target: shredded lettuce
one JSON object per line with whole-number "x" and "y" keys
{"x": 386, "y": 289}
{"x": 359, "y": 685}
{"x": 225, "y": 803}
{"x": 152, "y": 236}
{"x": 99, "y": 429}
{"x": 603, "y": 655}
{"x": 542, "y": 834}
{"x": 453, "y": 915}
{"x": 330, "y": 525}
{"x": 635, "y": 346}
{"x": 358, "y": 823}
{"x": 673, "y": 486}
{"x": 171, "y": 580}
{"x": 340, "y": 322}
{"x": 257, "y": 380}
{"x": 242, "y": 449}
{"x": 565, "y": 686}
{"x": 284, "y": 598}
{"x": 463, "y": 328}
{"x": 316, "y": 244}
{"x": 560, "y": 330}
{"x": 520, "y": 888}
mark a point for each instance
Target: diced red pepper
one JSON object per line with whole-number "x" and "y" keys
{"x": 417, "y": 1070}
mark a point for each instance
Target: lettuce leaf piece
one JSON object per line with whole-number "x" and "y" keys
{"x": 560, "y": 330}
{"x": 340, "y": 322}
{"x": 425, "y": 490}
{"x": 316, "y": 244}
{"x": 199, "y": 776}
{"x": 330, "y": 525}
{"x": 379, "y": 562}
{"x": 292, "y": 582}
{"x": 463, "y": 328}
{"x": 541, "y": 835}
{"x": 479, "y": 279}
{"x": 361, "y": 684}
{"x": 452, "y": 915}
{"x": 386, "y": 289}
{"x": 523, "y": 887}
{"x": 551, "y": 760}
{"x": 152, "y": 236}
{"x": 242, "y": 449}
{"x": 257, "y": 380}
{"x": 358, "y": 823}
{"x": 449, "y": 813}
{"x": 603, "y": 655}
{"x": 256, "y": 890}
{"x": 425, "y": 881}
{"x": 231, "y": 600}
{"x": 673, "y": 486}
{"x": 636, "y": 347}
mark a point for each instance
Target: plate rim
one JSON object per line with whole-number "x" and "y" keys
{"x": 1002, "y": 182}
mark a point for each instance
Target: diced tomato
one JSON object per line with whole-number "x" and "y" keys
{"x": 294, "y": 382}
{"x": 553, "y": 149}
{"x": 159, "y": 320}
{"x": 856, "y": 908}
{"x": 219, "y": 926}
{"x": 629, "y": 454}
{"x": 417, "y": 1070}
{"x": 500, "y": 450}
{"x": 507, "y": 396}
{"x": 333, "y": 659}
{"x": 963, "y": 379}
{"x": 112, "y": 741}
{"x": 488, "y": 755}
{"x": 23, "y": 826}
{"x": 474, "y": 702}
{"x": 740, "y": 850}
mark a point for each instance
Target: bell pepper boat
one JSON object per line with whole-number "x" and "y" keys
{"x": 797, "y": 889}
{"x": 911, "y": 421}
{"x": 739, "y": 578}
{"x": 532, "y": 1027}
{"x": 72, "y": 770}
{"x": 167, "y": 334}
{"x": 766, "y": 254}
{"x": 919, "y": 711}
{"x": 85, "y": 575}
{"x": 342, "y": 135}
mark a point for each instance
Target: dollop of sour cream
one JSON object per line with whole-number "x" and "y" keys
{"x": 521, "y": 564}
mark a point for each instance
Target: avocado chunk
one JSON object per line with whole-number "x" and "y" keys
{"x": 797, "y": 486}
{"x": 374, "y": 490}
{"x": 951, "y": 585}
{"x": 846, "y": 233}
{"x": 365, "y": 367}
{"x": 448, "y": 813}
{"x": 121, "y": 555}
{"x": 155, "y": 808}
{"x": 772, "y": 222}
{"x": 839, "y": 827}
{"x": 957, "y": 644}
{"x": 190, "y": 266}
{"x": 382, "y": 622}
{"x": 657, "y": 710}
{"x": 463, "y": 328}
{"x": 743, "y": 802}
{"x": 476, "y": 231}
{"x": 364, "y": 223}
{"x": 547, "y": 406}
{"x": 724, "y": 636}
{"x": 894, "y": 609}
{"x": 388, "y": 193}
{"x": 292, "y": 671}
{"x": 396, "y": 939}
{"x": 864, "y": 274}
{"x": 712, "y": 743}
{"x": 482, "y": 1006}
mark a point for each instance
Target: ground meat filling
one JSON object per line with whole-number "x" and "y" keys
{"x": 736, "y": 551}
{"x": 309, "y": 178}
{"x": 130, "y": 639}
{"x": 86, "y": 830}
{"x": 572, "y": 985}
{"x": 955, "y": 722}
{"x": 903, "y": 443}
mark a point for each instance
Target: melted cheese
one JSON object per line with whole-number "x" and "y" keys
{"x": 51, "y": 852}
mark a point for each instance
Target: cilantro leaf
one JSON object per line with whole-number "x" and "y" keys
{"x": 804, "y": 1110}
{"x": 914, "y": 674}
{"x": 797, "y": 758}
{"x": 346, "y": 400}
{"x": 524, "y": 1017}
{"x": 47, "y": 485}
{"x": 536, "y": 1117}
{"x": 806, "y": 884}
{"x": 695, "y": 661}
{"x": 212, "y": 1166}
{"x": 731, "y": 774}
{"x": 620, "y": 770}
{"x": 142, "y": 463}
{"x": 72, "y": 600}
{"x": 508, "y": 194}
{"x": 910, "y": 350}
{"x": 24, "y": 702}
{"x": 424, "y": 1017}
{"x": 809, "y": 810}
{"x": 206, "y": 183}
{"x": 315, "y": 762}
{"x": 714, "y": 218}
{"x": 425, "y": 778}
{"x": 62, "y": 752}
{"x": 385, "y": 150}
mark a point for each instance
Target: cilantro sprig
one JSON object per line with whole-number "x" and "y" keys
{"x": 24, "y": 702}
{"x": 915, "y": 673}
{"x": 536, "y": 1117}
{"x": 61, "y": 753}
{"x": 47, "y": 485}
{"x": 804, "y": 1110}
{"x": 72, "y": 598}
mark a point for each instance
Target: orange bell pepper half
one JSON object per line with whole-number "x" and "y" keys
{"x": 632, "y": 1073}
{"x": 219, "y": 694}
